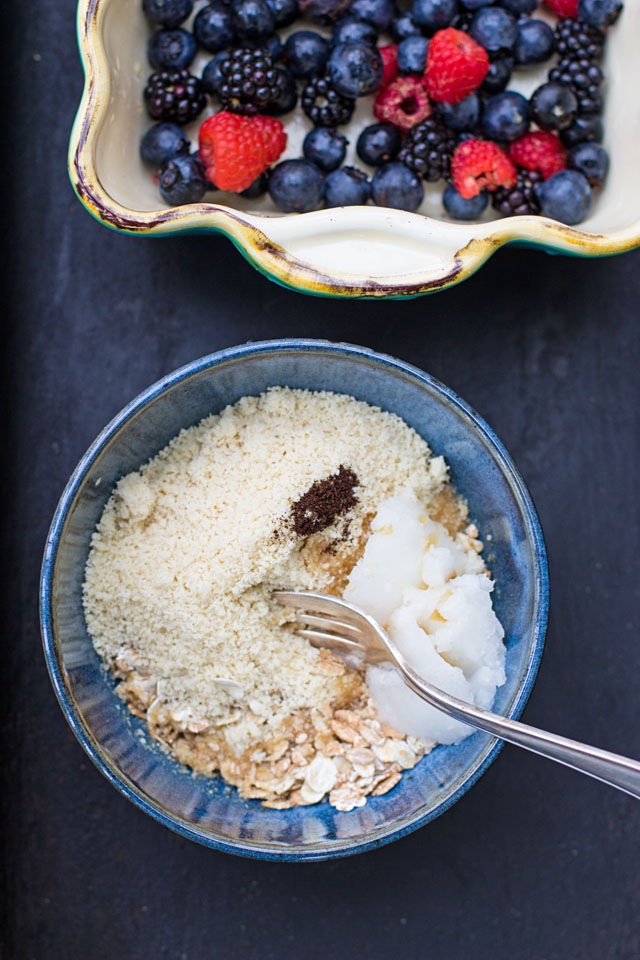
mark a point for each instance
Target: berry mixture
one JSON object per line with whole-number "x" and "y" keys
{"x": 424, "y": 91}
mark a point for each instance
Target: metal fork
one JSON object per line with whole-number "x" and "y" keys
{"x": 347, "y": 629}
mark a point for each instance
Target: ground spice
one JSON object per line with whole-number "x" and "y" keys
{"x": 324, "y": 501}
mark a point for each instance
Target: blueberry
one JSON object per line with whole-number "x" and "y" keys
{"x": 505, "y": 116}
{"x": 378, "y": 143}
{"x": 171, "y": 49}
{"x": 461, "y": 209}
{"x": 591, "y": 160}
{"x": 520, "y": 6}
{"x": 394, "y": 185}
{"x": 182, "y": 180}
{"x": 287, "y": 94}
{"x": 324, "y": 12}
{"x": 535, "y": 41}
{"x": 325, "y": 147}
{"x": 355, "y": 69}
{"x": 256, "y": 189}
{"x": 284, "y": 11}
{"x": 497, "y": 79}
{"x": 162, "y": 142}
{"x": 566, "y": 196}
{"x": 599, "y": 13}
{"x": 296, "y": 186}
{"x": 412, "y": 55}
{"x": 494, "y": 29}
{"x": 272, "y": 45}
{"x": 212, "y": 27}
{"x": 434, "y": 15}
{"x": 378, "y": 12}
{"x": 461, "y": 117}
{"x": 346, "y": 187}
{"x": 476, "y": 4}
{"x": 212, "y": 76}
{"x": 252, "y": 20}
{"x": 404, "y": 26}
{"x": 305, "y": 53}
{"x": 351, "y": 30}
{"x": 553, "y": 106}
{"x": 587, "y": 129}
{"x": 168, "y": 13}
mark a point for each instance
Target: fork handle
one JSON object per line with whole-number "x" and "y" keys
{"x": 623, "y": 773}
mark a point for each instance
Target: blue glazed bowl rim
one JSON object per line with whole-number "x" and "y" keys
{"x": 56, "y": 671}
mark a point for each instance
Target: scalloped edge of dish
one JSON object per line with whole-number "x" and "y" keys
{"x": 271, "y": 258}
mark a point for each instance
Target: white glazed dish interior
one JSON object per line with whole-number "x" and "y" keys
{"x": 387, "y": 251}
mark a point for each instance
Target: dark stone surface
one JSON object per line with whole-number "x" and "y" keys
{"x": 536, "y": 863}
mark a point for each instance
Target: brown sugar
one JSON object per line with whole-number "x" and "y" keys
{"x": 447, "y": 508}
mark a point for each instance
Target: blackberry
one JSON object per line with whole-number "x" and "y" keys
{"x": 521, "y": 199}
{"x": 583, "y": 77}
{"x": 580, "y": 48}
{"x": 249, "y": 81}
{"x": 428, "y": 150}
{"x": 286, "y": 93}
{"x": 174, "y": 95}
{"x": 576, "y": 40}
{"x": 324, "y": 106}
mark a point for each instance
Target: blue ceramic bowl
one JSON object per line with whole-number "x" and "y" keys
{"x": 207, "y": 810}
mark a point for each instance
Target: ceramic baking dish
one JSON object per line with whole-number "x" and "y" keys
{"x": 347, "y": 251}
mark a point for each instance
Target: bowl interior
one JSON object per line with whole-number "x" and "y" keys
{"x": 125, "y": 32}
{"x": 206, "y": 809}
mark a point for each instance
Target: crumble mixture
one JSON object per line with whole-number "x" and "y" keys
{"x": 276, "y": 491}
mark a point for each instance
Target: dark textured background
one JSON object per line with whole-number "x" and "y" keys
{"x": 536, "y": 863}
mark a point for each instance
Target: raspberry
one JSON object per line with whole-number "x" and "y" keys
{"x": 236, "y": 150}
{"x": 456, "y": 66}
{"x": 403, "y": 103}
{"x": 480, "y": 165}
{"x": 563, "y": 8}
{"x": 541, "y": 151}
{"x": 389, "y": 56}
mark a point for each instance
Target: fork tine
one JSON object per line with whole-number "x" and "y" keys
{"x": 330, "y": 641}
{"x": 316, "y": 603}
{"x": 331, "y": 625}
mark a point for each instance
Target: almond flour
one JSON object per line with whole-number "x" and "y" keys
{"x": 277, "y": 491}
